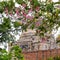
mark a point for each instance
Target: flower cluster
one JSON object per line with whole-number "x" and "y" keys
{"x": 42, "y": 16}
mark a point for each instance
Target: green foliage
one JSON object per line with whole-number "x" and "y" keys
{"x": 4, "y": 4}
{"x": 57, "y": 3}
{"x": 19, "y": 1}
{"x": 5, "y": 25}
{"x": 57, "y": 58}
{"x": 24, "y": 27}
{"x": 50, "y": 58}
{"x": 11, "y": 5}
{"x": 54, "y": 58}
{"x": 6, "y": 37}
{"x": 44, "y": 12}
{"x": 14, "y": 53}
{"x": 35, "y": 2}
{"x": 4, "y": 55}
{"x": 32, "y": 26}
{"x": 58, "y": 41}
{"x": 49, "y": 7}
{"x": 16, "y": 24}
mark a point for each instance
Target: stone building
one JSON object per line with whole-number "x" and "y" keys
{"x": 30, "y": 42}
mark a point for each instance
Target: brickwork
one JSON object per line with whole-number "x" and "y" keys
{"x": 41, "y": 55}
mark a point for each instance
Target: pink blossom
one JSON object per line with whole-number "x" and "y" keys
{"x": 37, "y": 23}
{"x": 6, "y": 10}
{"x": 11, "y": 13}
{"x": 18, "y": 16}
{"x": 24, "y": 21}
{"x": 37, "y": 8}
{"x": 43, "y": 40}
{"x": 24, "y": 13}
{"x": 30, "y": 10}
{"x": 24, "y": 5}
{"x": 17, "y": 11}
{"x": 29, "y": 17}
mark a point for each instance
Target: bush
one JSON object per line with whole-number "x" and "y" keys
{"x": 54, "y": 58}
{"x": 14, "y": 54}
{"x": 50, "y": 58}
{"x": 57, "y": 58}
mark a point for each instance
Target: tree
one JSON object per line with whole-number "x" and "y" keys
{"x": 14, "y": 54}
{"x": 33, "y": 14}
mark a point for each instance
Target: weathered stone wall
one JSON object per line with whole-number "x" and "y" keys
{"x": 41, "y": 55}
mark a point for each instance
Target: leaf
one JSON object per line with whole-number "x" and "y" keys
{"x": 19, "y": 1}
{"x": 56, "y": 2}
{"x": 24, "y": 27}
{"x": 16, "y": 24}
{"x": 36, "y": 3}
{"x": 32, "y": 26}
{"x": 50, "y": 7}
{"x": 11, "y": 5}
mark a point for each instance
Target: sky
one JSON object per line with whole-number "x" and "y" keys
{"x": 52, "y": 0}
{"x": 58, "y": 33}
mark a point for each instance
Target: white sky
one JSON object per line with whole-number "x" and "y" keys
{"x": 58, "y": 32}
{"x": 52, "y": 0}
{"x": 55, "y": 0}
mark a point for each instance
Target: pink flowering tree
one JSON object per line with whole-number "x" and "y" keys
{"x": 30, "y": 14}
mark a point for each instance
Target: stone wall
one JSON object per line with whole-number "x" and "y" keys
{"x": 41, "y": 55}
